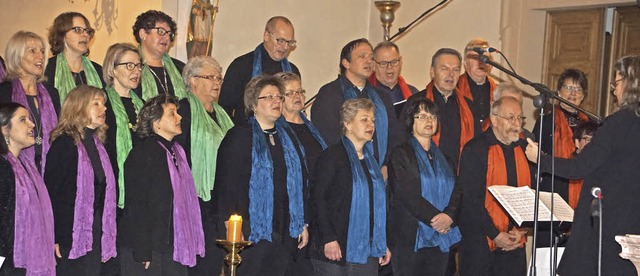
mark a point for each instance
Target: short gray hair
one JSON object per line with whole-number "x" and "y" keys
{"x": 351, "y": 107}
{"x": 195, "y": 65}
{"x": 506, "y": 87}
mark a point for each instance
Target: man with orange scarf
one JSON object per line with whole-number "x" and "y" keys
{"x": 386, "y": 77}
{"x": 457, "y": 125}
{"x": 491, "y": 243}
{"x": 476, "y": 84}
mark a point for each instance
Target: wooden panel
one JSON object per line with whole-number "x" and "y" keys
{"x": 574, "y": 39}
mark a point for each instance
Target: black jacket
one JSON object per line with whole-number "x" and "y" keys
{"x": 50, "y": 73}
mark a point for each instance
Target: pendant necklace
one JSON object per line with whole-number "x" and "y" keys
{"x": 165, "y": 84}
{"x": 271, "y": 134}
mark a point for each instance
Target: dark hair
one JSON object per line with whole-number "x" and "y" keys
{"x": 445, "y": 51}
{"x": 414, "y": 108}
{"x": 148, "y": 20}
{"x": 575, "y": 75}
{"x": 347, "y": 49}
{"x": 61, "y": 25}
{"x": 271, "y": 23}
{"x": 7, "y": 111}
{"x": 255, "y": 86}
{"x": 629, "y": 69}
{"x": 585, "y": 128}
{"x": 152, "y": 112}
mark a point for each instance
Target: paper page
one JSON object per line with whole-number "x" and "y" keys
{"x": 519, "y": 203}
{"x": 1, "y": 261}
{"x": 543, "y": 260}
{"x": 561, "y": 209}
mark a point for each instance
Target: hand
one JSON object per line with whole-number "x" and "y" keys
{"x": 518, "y": 234}
{"x": 303, "y": 238}
{"x": 505, "y": 240}
{"x": 441, "y": 223}
{"x": 332, "y": 251}
{"x": 385, "y": 173}
{"x": 532, "y": 151}
{"x": 57, "y": 249}
{"x": 384, "y": 260}
{"x": 146, "y": 265}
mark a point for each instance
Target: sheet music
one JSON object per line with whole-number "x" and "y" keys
{"x": 561, "y": 209}
{"x": 520, "y": 203}
{"x": 1, "y": 261}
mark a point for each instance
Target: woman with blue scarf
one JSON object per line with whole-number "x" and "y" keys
{"x": 349, "y": 200}
{"x": 424, "y": 198}
{"x": 260, "y": 176}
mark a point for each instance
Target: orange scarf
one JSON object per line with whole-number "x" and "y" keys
{"x": 404, "y": 87}
{"x": 565, "y": 147}
{"x": 575, "y": 187}
{"x": 497, "y": 175}
{"x": 465, "y": 90}
{"x": 466, "y": 118}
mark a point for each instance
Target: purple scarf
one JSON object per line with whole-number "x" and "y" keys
{"x": 3, "y": 72}
{"x": 33, "y": 241}
{"x": 188, "y": 236}
{"x": 83, "y": 210}
{"x": 48, "y": 117}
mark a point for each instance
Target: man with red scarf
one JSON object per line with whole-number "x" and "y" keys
{"x": 492, "y": 244}
{"x": 386, "y": 77}
{"x": 456, "y": 123}
{"x": 476, "y": 84}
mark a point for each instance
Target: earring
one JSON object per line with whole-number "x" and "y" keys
{"x": 6, "y": 140}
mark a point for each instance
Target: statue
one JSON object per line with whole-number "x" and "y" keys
{"x": 200, "y": 33}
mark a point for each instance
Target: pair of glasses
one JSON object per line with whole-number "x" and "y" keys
{"x": 385, "y": 64}
{"x": 80, "y": 30}
{"x": 570, "y": 88}
{"x": 272, "y": 98}
{"x": 512, "y": 119}
{"x": 282, "y": 41}
{"x": 586, "y": 138}
{"x": 131, "y": 66}
{"x": 614, "y": 83}
{"x": 162, "y": 32}
{"x": 425, "y": 117}
{"x": 212, "y": 78}
{"x": 291, "y": 93}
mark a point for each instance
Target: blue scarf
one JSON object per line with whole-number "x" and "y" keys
{"x": 257, "y": 62}
{"x": 261, "y": 184}
{"x": 382, "y": 121}
{"x": 314, "y": 131}
{"x": 436, "y": 183}
{"x": 360, "y": 245}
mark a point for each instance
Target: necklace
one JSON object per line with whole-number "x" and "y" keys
{"x": 165, "y": 84}
{"x": 271, "y": 134}
{"x": 35, "y": 115}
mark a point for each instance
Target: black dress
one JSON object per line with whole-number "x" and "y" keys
{"x": 7, "y": 218}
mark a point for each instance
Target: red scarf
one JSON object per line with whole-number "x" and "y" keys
{"x": 497, "y": 175}
{"x": 565, "y": 147}
{"x": 466, "y": 118}
{"x": 404, "y": 87}
{"x": 465, "y": 90}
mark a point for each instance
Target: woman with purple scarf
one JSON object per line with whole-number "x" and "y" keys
{"x": 161, "y": 231}
{"x": 25, "y": 61}
{"x": 81, "y": 184}
{"x": 24, "y": 201}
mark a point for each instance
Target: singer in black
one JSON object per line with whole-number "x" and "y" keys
{"x": 611, "y": 163}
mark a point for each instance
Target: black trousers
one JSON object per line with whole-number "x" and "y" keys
{"x": 162, "y": 264}
{"x": 476, "y": 259}
{"x": 212, "y": 262}
{"x": 8, "y": 269}
{"x": 267, "y": 258}
{"x": 324, "y": 268}
{"x": 87, "y": 265}
{"x": 426, "y": 262}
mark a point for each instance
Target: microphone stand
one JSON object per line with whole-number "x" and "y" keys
{"x": 539, "y": 101}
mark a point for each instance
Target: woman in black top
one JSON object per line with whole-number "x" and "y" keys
{"x": 424, "y": 198}
{"x": 26, "y": 219}
{"x": 610, "y": 161}
{"x": 25, "y": 55}
{"x": 259, "y": 177}
{"x": 349, "y": 200}
{"x": 161, "y": 231}
{"x": 81, "y": 184}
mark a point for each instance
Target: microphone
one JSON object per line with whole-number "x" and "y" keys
{"x": 482, "y": 50}
{"x": 596, "y": 192}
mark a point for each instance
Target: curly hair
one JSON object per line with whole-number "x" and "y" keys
{"x": 74, "y": 115}
{"x": 147, "y": 20}
{"x": 350, "y": 108}
{"x": 6, "y": 114}
{"x": 152, "y": 112}
{"x": 61, "y": 25}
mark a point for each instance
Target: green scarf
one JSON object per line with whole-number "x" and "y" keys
{"x": 64, "y": 81}
{"x": 149, "y": 87}
{"x": 206, "y": 137}
{"x": 123, "y": 134}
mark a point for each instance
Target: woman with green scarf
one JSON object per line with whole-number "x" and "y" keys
{"x": 155, "y": 31}
{"x": 69, "y": 67}
{"x": 204, "y": 124}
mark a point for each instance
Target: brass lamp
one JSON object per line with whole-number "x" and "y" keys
{"x": 387, "y": 8}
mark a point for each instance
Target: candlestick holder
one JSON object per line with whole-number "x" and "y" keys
{"x": 630, "y": 249}
{"x": 233, "y": 259}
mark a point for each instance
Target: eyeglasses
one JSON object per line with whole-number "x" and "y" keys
{"x": 424, "y": 117}
{"x": 585, "y": 138}
{"x": 212, "y": 78}
{"x": 385, "y": 64}
{"x": 570, "y": 88}
{"x": 614, "y": 83}
{"x": 130, "y": 65}
{"x": 282, "y": 41}
{"x": 512, "y": 119}
{"x": 291, "y": 93}
{"x": 162, "y": 32}
{"x": 80, "y": 30}
{"x": 273, "y": 98}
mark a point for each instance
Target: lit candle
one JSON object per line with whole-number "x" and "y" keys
{"x": 234, "y": 228}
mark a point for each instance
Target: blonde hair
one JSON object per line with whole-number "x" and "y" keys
{"x": 15, "y": 50}
{"x": 74, "y": 115}
{"x": 114, "y": 55}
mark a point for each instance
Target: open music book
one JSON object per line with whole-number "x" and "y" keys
{"x": 519, "y": 203}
